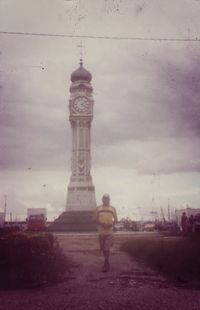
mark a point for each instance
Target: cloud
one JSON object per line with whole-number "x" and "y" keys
{"x": 25, "y": 189}
{"x": 183, "y": 81}
{"x": 33, "y": 125}
{"x": 159, "y": 108}
{"x": 142, "y": 104}
{"x": 146, "y": 96}
{"x": 146, "y": 113}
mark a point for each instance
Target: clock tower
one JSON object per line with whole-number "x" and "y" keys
{"x": 81, "y": 192}
{"x": 81, "y": 201}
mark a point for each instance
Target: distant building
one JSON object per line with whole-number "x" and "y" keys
{"x": 2, "y": 219}
{"x": 36, "y": 211}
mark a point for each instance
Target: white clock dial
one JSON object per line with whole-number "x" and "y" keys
{"x": 81, "y": 104}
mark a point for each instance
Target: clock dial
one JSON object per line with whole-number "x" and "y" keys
{"x": 81, "y": 104}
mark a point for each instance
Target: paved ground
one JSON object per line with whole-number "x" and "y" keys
{"x": 127, "y": 285}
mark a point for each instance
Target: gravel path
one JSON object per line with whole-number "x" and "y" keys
{"x": 127, "y": 285}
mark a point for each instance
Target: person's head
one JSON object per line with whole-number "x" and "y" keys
{"x": 106, "y": 199}
{"x": 184, "y": 213}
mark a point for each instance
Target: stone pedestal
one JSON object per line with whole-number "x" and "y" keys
{"x": 74, "y": 221}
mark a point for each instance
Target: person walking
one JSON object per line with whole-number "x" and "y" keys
{"x": 184, "y": 222}
{"x": 105, "y": 217}
{"x": 191, "y": 223}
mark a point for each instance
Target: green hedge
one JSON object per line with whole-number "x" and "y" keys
{"x": 176, "y": 257}
{"x": 29, "y": 260}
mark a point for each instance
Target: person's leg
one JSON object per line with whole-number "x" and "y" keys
{"x": 108, "y": 242}
{"x": 106, "y": 259}
{"x": 106, "y": 264}
{"x": 102, "y": 248}
{"x": 101, "y": 243}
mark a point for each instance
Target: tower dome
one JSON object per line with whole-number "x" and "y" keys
{"x": 81, "y": 74}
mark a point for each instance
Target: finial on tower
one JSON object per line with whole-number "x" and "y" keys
{"x": 81, "y": 62}
{"x": 81, "y": 53}
{"x": 81, "y": 74}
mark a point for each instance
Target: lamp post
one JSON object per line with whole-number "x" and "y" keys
{"x": 5, "y": 208}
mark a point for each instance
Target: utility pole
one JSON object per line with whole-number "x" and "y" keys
{"x": 153, "y": 209}
{"x": 11, "y": 218}
{"x": 5, "y": 207}
{"x": 162, "y": 213}
{"x": 168, "y": 209}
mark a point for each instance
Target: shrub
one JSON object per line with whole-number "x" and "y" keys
{"x": 177, "y": 257}
{"x": 29, "y": 260}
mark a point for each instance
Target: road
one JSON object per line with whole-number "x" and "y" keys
{"x": 128, "y": 285}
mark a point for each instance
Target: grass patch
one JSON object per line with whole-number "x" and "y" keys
{"x": 30, "y": 260}
{"x": 174, "y": 257}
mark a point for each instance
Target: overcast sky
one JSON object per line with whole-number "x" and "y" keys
{"x": 146, "y": 127}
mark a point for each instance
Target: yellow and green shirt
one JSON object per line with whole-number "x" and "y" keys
{"x": 105, "y": 215}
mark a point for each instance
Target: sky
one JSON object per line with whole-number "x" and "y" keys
{"x": 146, "y": 127}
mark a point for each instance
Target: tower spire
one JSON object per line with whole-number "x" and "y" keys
{"x": 81, "y": 53}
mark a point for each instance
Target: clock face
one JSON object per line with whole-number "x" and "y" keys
{"x": 81, "y": 104}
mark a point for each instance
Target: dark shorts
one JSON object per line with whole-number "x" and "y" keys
{"x": 105, "y": 241}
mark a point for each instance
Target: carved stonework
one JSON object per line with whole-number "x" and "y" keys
{"x": 73, "y": 166}
{"x": 87, "y": 170}
{"x": 81, "y": 163}
{"x": 81, "y": 123}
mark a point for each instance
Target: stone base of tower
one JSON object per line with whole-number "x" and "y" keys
{"x": 74, "y": 221}
{"x": 81, "y": 196}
